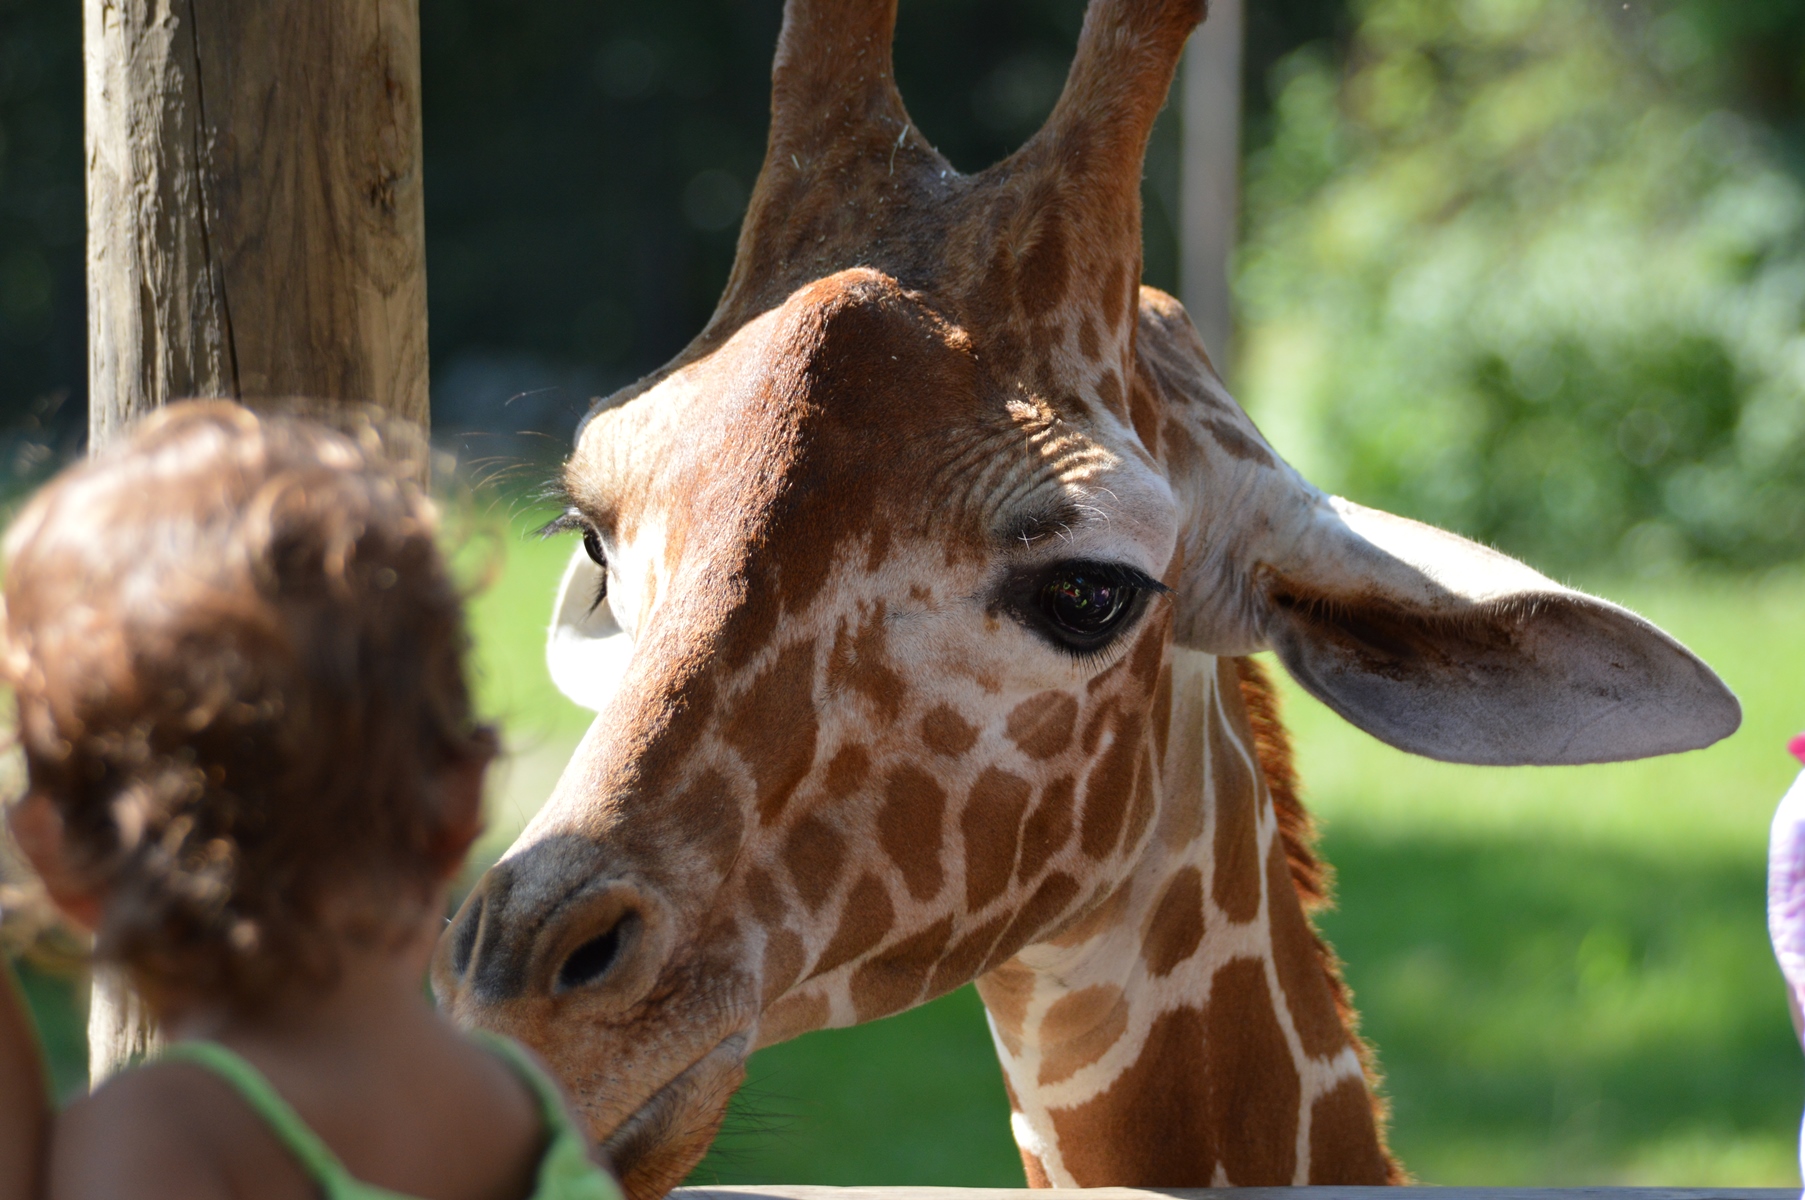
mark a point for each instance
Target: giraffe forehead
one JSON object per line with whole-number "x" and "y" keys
{"x": 858, "y": 394}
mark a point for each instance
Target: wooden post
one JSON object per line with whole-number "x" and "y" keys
{"x": 1210, "y": 181}
{"x": 255, "y": 225}
{"x": 255, "y": 230}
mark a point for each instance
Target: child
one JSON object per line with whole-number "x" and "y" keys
{"x": 253, "y": 769}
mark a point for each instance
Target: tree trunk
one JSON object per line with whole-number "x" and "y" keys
{"x": 255, "y": 230}
{"x": 1211, "y": 177}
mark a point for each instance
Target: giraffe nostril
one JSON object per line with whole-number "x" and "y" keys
{"x": 592, "y": 960}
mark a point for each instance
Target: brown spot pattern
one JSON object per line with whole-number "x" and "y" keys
{"x": 892, "y": 981}
{"x": 1041, "y": 273}
{"x": 785, "y": 956}
{"x": 1153, "y": 1125}
{"x": 795, "y": 1015}
{"x": 1042, "y": 724}
{"x": 1101, "y": 913}
{"x": 815, "y": 854}
{"x": 1256, "y": 1107}
{"x": 1344, "y": 1141}
{"x": 707, "y": 811}
{"x": 1054, "y": 895}
{"x": 908, "y": 827}
{"x": 1149, "y": 653}
{"x": 1236, "y": 886}
{"x": 773, "y": 727}
{"x": 1116, "y": 285}
{"x": 1162, "y": 713}
{"x": 967, "y": 957}
{"x": 860, "y": 662}
{"x": 1144, "y": 414}
{"x": 1110, "y": 786}
{"x": 1175, "y": 928}
{"x": 1299, "y": 958}
{"x": 1079, "y": 1029}
{"x": 847, "y": 771}
{"x": 1109, "y": 390}
{"x": 879, "y": 550}
{"x": 1238, "y": 442}
{"x": 1087, "y": 336}
{"x": 992, "y": 826}
{"x": 1203, "y": 1090}
{"x": 864, "y": 921}
{"x": 767, "y": 899}
{"x": 1049, "y": 827}
{"x": 946, "y": 733}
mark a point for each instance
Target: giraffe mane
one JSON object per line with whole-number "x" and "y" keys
{"x": 1313, "y": 878}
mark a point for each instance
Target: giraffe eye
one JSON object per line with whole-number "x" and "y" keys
{"x": 592, "y": 544}
{"x": 1085, "y": 604}
{"x": 569, "y": 521}
{"x": 1082, "y": 607}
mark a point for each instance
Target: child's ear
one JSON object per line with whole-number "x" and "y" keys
{"x": 461, "y": 789}
{"x": 38, "y": 829}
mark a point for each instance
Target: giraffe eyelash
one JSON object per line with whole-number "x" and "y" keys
{"x": 568, "y": 521}
{"x": 572, "y": 521}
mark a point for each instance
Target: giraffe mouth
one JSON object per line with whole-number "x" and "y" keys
{"x": 660, "y": 1141}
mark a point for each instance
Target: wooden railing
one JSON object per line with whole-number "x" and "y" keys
{"x": 786, "y": 1192}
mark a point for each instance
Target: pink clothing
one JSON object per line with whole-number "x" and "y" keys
{"x": 1786, "y": 886}
{"x": 1786, "y": 893}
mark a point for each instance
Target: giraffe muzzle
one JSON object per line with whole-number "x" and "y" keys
{"x": 557, "y": 936}
{"x": 541, "y": 927}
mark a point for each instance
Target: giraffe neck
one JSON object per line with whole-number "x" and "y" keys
{"x": 1190, "y": 1031}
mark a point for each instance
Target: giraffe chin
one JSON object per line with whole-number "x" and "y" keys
{"x": 662, "y": 1140}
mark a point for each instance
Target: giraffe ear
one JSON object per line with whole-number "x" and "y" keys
{"x": 1444, "y": 648}
{"x": 586, "y": 650}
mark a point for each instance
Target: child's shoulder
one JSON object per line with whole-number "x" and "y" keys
{"x": 161, "y": 1130}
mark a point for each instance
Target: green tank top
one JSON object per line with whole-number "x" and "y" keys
{"x": 566, "y": 1172}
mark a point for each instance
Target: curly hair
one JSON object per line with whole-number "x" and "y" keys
{"x": 237, "y": 655}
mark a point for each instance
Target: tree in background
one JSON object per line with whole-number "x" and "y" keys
{"x": 1535, "y": 269}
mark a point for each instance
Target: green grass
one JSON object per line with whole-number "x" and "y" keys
{"x": 1565, "y": 971}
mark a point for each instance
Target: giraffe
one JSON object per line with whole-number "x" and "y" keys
{"x": 915, "y": 600}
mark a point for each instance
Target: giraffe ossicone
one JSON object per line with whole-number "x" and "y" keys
{"x": 915, "y": 603}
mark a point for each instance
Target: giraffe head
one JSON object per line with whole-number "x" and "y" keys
{"x": 880, "y": 582}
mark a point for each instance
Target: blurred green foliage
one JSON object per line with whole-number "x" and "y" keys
{"x": 1535, "y": 270}
{"x": 43, "y": 304}
{"x": 586, "y": 167}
